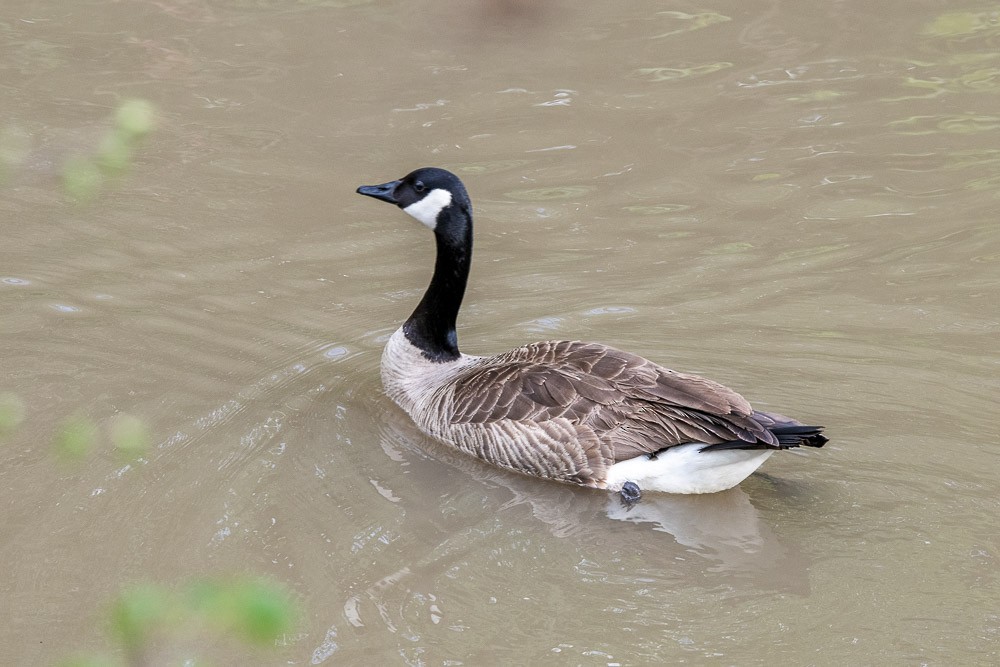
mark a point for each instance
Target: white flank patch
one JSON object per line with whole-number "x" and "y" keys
{"x": 426, "y": 210}
{"x": 685, "y": 469}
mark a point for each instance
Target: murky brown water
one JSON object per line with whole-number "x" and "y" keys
{"x": 797, "y": 199}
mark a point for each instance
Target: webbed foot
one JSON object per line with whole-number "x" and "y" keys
{"x": 630, "y": 494}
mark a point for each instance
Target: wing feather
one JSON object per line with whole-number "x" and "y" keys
{"x": 618, "y": 402}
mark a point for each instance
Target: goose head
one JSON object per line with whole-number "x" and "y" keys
{"x": 435, "y": 197}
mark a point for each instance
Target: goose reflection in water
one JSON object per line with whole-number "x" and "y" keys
{"x": 463, "y": 528}
{"x": 724, "y": 528}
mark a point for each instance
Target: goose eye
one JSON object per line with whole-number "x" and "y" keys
{"x": 419, "y": 186}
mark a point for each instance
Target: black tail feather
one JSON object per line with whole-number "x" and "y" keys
{"x": 797, "y": 435}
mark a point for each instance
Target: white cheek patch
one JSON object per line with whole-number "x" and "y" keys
{"x": 426, "y": 210}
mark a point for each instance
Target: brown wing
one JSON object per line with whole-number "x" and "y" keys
{"x": 627, "y": 401}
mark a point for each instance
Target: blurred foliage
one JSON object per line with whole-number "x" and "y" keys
{"x": 77, "y": 435}
{"x": 145, "y": 616}
{"x": 83, "y": 177}
{"x": 75, "y": 438}
{"x": 256, "y": 610}
{"x": 137, "y": 613}
{"x": 130, "y": 437}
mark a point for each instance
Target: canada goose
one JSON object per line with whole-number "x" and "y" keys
{"x": 576, "y": 412}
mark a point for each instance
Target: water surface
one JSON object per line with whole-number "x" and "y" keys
{"x": 796, "y": 199}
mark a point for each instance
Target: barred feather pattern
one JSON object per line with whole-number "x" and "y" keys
{"x": 568, "y": 410}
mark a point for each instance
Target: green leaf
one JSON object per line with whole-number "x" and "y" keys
{"x": 258, "y": 610}
{"x": 138, "y": 611}
{"x": 75, "y": 438}
{"x": 135, "y": 119}
{"x": 264, "y": 611}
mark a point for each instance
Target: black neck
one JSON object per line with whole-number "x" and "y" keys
{"x": 431, "y": 327}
